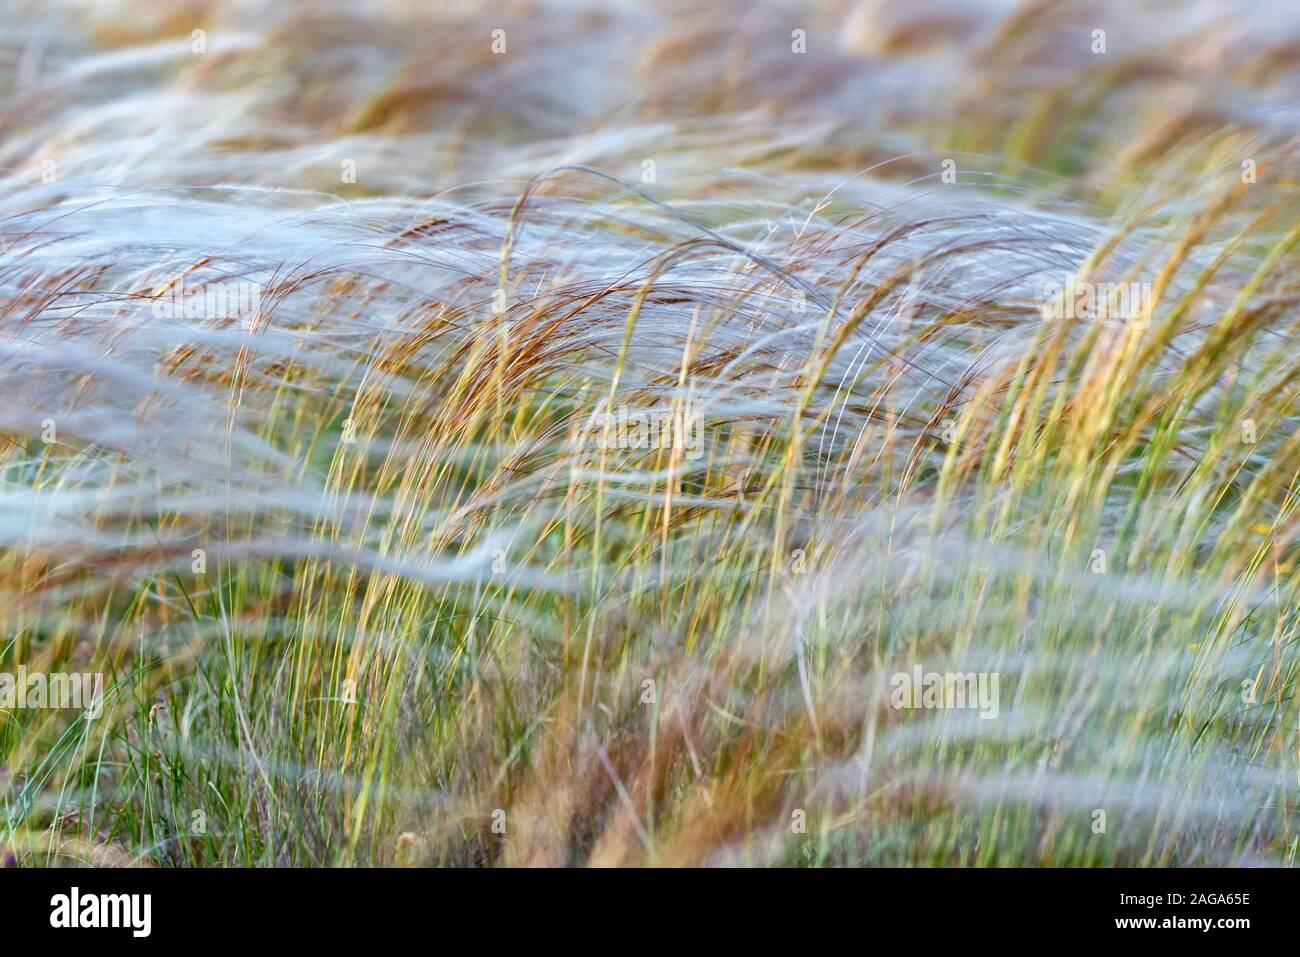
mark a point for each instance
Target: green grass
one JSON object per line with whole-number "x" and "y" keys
{"x": 438, "y": 623}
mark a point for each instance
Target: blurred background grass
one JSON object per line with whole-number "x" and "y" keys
{"x": 366, "y": 586}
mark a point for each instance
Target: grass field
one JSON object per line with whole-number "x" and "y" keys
{"x": 543, "y": 433}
